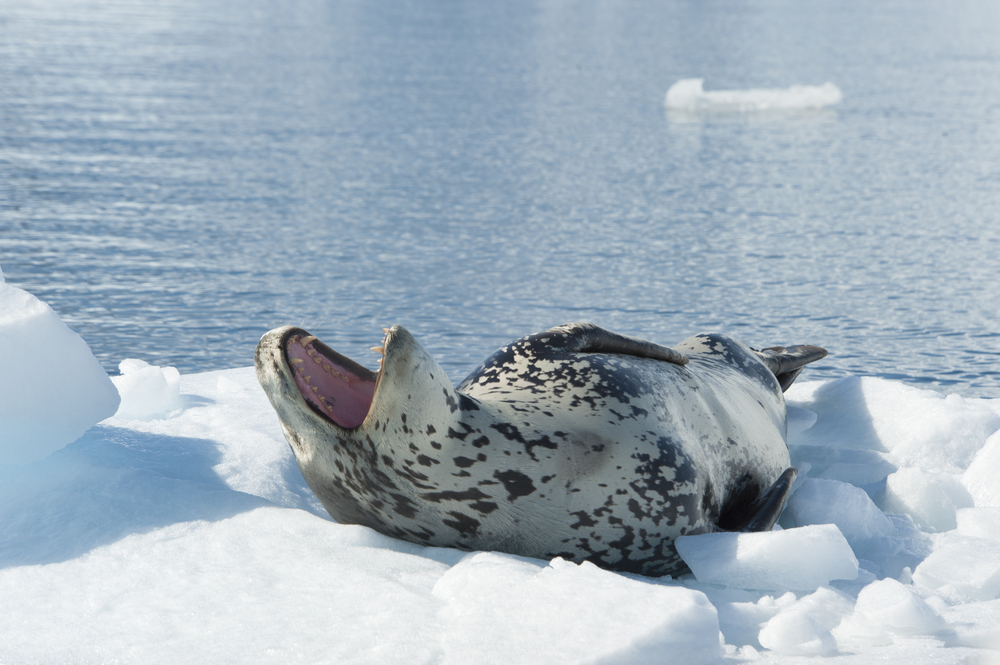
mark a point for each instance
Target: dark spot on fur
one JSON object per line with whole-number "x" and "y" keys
{"x": 452, "y": 404}
{"x": 485, "y": 507}
{"x": 464, "y": 524}
{"x": 583, "y": 520}
{"x": 424, "y": 460}
{"x": 516, "y": 483}
{"x": 471, "y": 494}
{"x": 404, "y": 507}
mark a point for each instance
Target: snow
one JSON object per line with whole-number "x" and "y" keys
{"x": 181, "y": 529}
{"x": 689, "y": 95}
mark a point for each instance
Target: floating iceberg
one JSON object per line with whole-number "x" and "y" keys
{"x": 688, "y": 95}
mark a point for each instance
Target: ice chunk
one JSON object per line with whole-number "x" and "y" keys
{"x": 913, "y": 427}
{"x": 53, "y": 389}
{"x": 969, "y": 566}
{"x": 795, "y": 633}
{"x": 803, "y": 558}
{"x": 895, "y": 607}
{"x": 498, "y": 606}
{"x": 930, "y": 498}
{"x": 982, "y": 478}
{"x": 979, "y": 523}
{"x": 820, "y": 501}
{"x": 689, "y": 95}
{"x": 798, "y": 420}
{"x": 147, "y": 391}
{"x": 741, "y": 622}
{"x": 975, "y": 625}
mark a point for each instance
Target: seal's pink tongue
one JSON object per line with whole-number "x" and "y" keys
{"x": 335, "y": 388}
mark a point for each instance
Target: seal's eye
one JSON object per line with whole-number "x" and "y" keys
{"x": 331, "y": 384}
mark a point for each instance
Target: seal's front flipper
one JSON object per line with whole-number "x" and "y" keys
{"x": 787, "y": 362}
{"x": 772, "y": 502}
{"x": 589, "y": 338}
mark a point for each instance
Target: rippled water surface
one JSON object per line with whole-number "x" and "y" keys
{"x": 178, "y": 177}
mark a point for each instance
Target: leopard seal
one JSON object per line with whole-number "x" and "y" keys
{"x": 575, "y": 442}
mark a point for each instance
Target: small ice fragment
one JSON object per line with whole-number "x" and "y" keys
{"x": 930, "y": 498}
{"x": 981, "y": 478}
{"x": 803, "y": 558}
{"x": 895, "y": 607}
{"x": 689, "y": 95}
{"x": 147, "y": 391}
{"x": 979, "y": 522}
{"x": 795, "y": 633}
{"x": 820, "y": 501}
{"x": 798, "y": 420}
{"x": 971, "y": 566}
{"x": 975, "y": 625}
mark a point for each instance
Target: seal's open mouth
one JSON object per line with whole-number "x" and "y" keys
{"x": 333, "y": 385}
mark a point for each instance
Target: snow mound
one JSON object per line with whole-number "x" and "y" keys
{"x": 53, "y": 389}
{"x": 689, "y": 95}
{"x": 804, "y": 558}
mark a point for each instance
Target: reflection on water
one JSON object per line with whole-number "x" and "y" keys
{"x": 175, "y": 180}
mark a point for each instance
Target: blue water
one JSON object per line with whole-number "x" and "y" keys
{"x": 178, "y": 177}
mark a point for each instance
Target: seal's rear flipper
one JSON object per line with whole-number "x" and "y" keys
{"x": 772, "y": 502}
{"x": 786, "y": 363}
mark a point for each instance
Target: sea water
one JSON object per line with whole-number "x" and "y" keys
{"x": 177, "y": 178}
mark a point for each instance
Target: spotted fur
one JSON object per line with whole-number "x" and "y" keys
{"x": 573, "y": 442}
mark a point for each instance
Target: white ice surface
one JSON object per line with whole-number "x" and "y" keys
{"x": 52, "y": 389}
{"x": 192, "y": 537}
{"x": 689, "y": 95}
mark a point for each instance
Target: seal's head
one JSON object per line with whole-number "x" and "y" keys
{"x": 355, "y": 432}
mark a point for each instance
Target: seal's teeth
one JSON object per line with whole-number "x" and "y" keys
{"x": 379, "y": 349}
{"x": 296, "y": 361}
{"x": 314, "y": 389}
{"x": 317, "y": 359}
{"x": 307, "y": 340}
{"x": 307, "y": 379}
{"x": 326, "y": 368}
